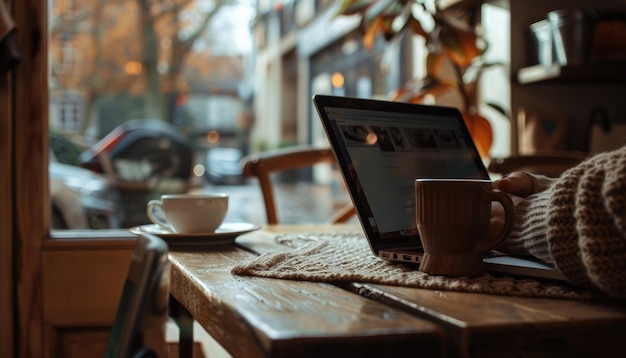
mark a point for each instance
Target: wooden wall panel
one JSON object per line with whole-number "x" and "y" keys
{"x": 72, "y": 344}
{"x": 7, "y": 335}
{"x": 30, "y": 164}
{"x": 76, "y": 293}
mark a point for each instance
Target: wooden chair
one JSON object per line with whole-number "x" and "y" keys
{"x": 262, "y": 165}
{"x": 139, "y": 326}
{"x": 549, "y": 164}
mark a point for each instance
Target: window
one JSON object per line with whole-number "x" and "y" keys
{"x": 66, "y": 114}
{"x": 139, "y": 84}
{"x": 495, "y": 85}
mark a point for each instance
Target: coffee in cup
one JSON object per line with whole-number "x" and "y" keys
{"x": 453, "y": 217}
{"x": 189, "y": 213}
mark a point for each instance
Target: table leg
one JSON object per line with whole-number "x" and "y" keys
{"x": 184, "y": 320}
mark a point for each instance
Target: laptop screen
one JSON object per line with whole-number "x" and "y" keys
{"x": 383, "y": 147}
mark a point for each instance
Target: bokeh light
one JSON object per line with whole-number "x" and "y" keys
{"x": 198, "y": 170}
{"x": 337, "y": 80}
{"x": 133, "y": 67}
{"x": 212, "y": 137}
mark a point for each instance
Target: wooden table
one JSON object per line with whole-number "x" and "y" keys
{"x": 254, "y": 317}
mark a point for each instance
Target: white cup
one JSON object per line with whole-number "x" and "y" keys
{"x": 189, "y": 213}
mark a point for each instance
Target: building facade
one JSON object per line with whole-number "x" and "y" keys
{"x": 303, "y": 49}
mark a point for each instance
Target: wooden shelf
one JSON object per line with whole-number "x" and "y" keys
{"x": 598, "y": 73}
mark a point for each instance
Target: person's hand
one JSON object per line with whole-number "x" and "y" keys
{"x": 518, "y": 185}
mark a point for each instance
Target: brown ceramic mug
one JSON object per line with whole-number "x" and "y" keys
{"x": 453, "y": 217}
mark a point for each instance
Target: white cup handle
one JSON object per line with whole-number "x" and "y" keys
{"x": 157, "y": 204}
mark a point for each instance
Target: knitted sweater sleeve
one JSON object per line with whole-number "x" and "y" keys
{"x": 579, "y": 224}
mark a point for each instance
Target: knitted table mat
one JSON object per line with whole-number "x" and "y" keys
{"x": 323, "y": 257}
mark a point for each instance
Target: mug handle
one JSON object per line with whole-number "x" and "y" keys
{"x": 150, "y": 207}
{"x": 509, "y": 219}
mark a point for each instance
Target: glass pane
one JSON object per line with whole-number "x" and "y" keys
{"x": 141, "y": 92}
{"x": 495, "y": 84}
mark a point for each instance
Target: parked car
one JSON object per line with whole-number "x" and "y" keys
{"x": 110, "y": 183}
{"x": 80, "y": 198}
{"x": 223, "y": 166}
{"x": 145, "y": 158}
{"x": 158, "y": 145}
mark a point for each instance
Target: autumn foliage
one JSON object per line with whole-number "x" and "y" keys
{"x": 139, "y": 47}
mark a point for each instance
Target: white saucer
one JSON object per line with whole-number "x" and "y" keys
{"x": 226, "y": 233}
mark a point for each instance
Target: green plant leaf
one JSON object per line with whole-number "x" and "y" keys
{"x": 352, "y": 7}
{"x": 402, "y": 19}
{"x": 380, "y": 8}
{"x": 473, "y": 74}
{"x": 387, "y": 28}
{"x": 386, "y": 14}
{"x": 499, "y": 109}
{"x": 492, "y": 64}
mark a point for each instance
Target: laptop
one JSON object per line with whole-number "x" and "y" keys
{"x": 381, "y": 148}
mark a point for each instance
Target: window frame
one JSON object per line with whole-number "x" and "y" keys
{"x": 25, "y": 236}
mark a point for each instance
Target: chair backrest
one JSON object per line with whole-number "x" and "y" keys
{"x": 263, "y": 165}
{"x": 142, "y": 310}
